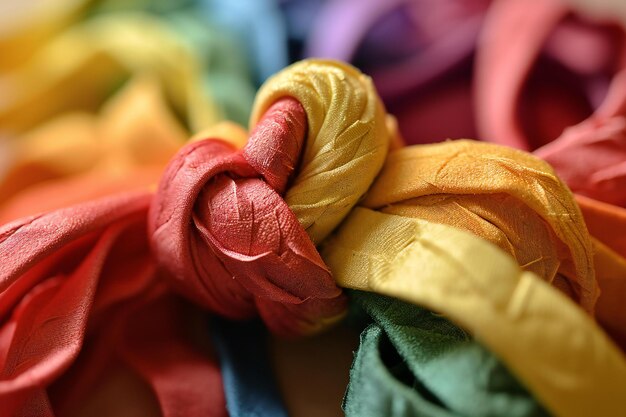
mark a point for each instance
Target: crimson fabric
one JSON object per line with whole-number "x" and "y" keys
{"x": 80, "y": 289}
{"x": 218, "y": 214}
{"x": 65, "y": 277}
{"x": 591, "y": 156}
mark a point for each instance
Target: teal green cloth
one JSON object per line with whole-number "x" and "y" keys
{"x": 413, "y": 362}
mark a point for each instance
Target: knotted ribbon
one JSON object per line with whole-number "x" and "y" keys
{"x": 400, "y": 243}
{"x": 214, "y": 200}
{"x": 240, "y": 225}
{"x": 92, "y": 260}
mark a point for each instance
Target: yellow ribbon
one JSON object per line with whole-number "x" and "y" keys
{"x": 405, "y": 241}
{"x": 544, "y": 338}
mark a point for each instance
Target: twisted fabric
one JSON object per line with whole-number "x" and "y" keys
{"x": 235, "y": 229}
{"x": 500, "y": 194}
{"x": 92, "y": 273}
{"x": 249, "y": 231}
{"x": 242, "y": 228}
{"x": 393, "y": 245}
{"x": 86, "y": 273}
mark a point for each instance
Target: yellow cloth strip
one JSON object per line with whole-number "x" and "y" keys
{"x": 506, "y": 196}
{"x": 80, "y": 68}
{"x": 135, "y": 131}
{"x": 544, "y": 338}
{"x": 24, "y": 25}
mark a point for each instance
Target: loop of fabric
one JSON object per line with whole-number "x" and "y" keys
{"x": 547, "y": 341}
{"x": 503, "y": 195}
{"x": 245, "y": 250}
{"x": 94, "y": 263}
{"x": 347, "y": 139}
{"x": 400, "y": 244}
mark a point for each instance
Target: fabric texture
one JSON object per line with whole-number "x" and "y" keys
{"x": 501, "y": 194}
{"x": 92, "y": 273}
{"x": 347, "y": 137}
{"x": 536, "y": 331}
{"x": 415, "y": 362}
{"x": 477, "y": 232}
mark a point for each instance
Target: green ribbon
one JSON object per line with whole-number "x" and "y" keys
{"x": 413, "y": 362}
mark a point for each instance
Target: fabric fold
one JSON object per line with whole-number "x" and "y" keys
{"x": 504, "y": 195}
{"x": 547, "y": 341}
{"x": 412, "y": 361}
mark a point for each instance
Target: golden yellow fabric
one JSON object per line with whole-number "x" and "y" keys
{"x": 26, "y": 24}
{"x": 544, "y": 338}
{"x": 346, "y": 144}
{"x": 506, "y": 196}
{"x": 126, "y": 145}
{"x": 81, "y": 67}
{"x": 406, "y": 241}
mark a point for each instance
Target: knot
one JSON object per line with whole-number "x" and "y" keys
{"x": 220, "y": 225}
{"x": 347, "y": 139}
{"x": 503, "y": 195}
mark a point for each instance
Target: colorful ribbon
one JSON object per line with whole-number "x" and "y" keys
{"x": 394, "y": 246}
{"x": 89, "y": 240}
{"x": 234, "y": 227}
